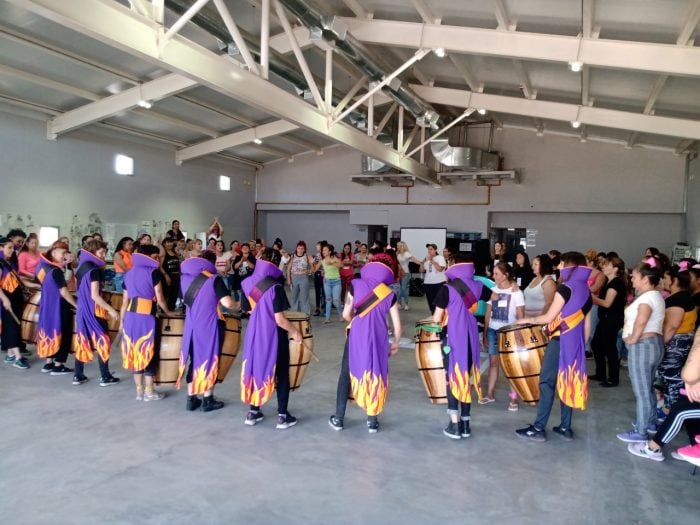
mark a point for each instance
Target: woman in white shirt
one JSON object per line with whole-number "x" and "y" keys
{"x": 507, "y": 305}
{"x": 433, "y": 270}
{"x": 643, "y": 334}
{"x": 540, "y": 293}
{"x": 404, "y": 257}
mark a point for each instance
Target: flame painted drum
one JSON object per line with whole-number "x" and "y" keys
{"x": 170, "y": 330}
{"x": 299, "y": 353}
{"x": 115, "y": 300}
{"x": 230, "y": 346}
{"x": 429, "y": 360}
{"x": 521, "y": 348}
{"x": 30, "y": 318}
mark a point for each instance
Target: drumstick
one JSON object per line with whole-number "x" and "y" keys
{"x": 14, "y": 317}
{"x": 306, "y": 345}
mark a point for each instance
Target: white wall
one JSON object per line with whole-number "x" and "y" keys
{"x": 559, "y": 174}
{"x": 53, "y": 180}
{"x": 692, "y": 225}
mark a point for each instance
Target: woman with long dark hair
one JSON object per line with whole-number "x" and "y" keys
{"x": 522, "y": 270}
{"x": 347, "y": 270}
{"x": 122, "y": 261}
{"x": 171, "y": 271}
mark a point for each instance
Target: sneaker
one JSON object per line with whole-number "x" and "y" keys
{"x": 623, "y": 363}
{"x": 25, "y": 352}
{"x": 60, "y": 370}
{"x": 21, "y": 363}
{"x": 193, "y": 403}
{"x": 633, "y": 437}
{"x": 79, "y": 380}
{"x": 286, "y": 421}
{"x": 406, "y": 307}
{"x": 47, "y": 368}
{"x": 152, "y": 395}
{"x": 691, "y": 454}
{"x": 452, "y": 430}
{"x": 9, "y": 358}
{"x": 660, "y": 415}
{"x": 643, "y": 451}
{"x": 335, "y": 423}
{"x": 464, "y": 429}
{"x": 566, "y": 433}
{"x": 651, "y": 429}
{"x": 532, "y": 433}
{"x": 110, "y": 380}
{"x": 676, "y": 455}
{"x": 253, "y": 418}
{"x": 139, "y": 394}
{"x": 373, "y": 425}
{"x": 209, "y": 403}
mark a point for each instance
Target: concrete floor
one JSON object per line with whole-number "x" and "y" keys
{"x": 85, "y": 454}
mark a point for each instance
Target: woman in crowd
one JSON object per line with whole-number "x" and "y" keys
{"x": 522, "y": 271}
{"x": 29, "y": 257}
{"x": 642, "y": 333}
{"x": 347, "y": 270}
{"x": 695, "y": 289}
{"x": 170, "y": 267}
{"x": 175, "y": 232}
{"x": 243, "y": 265}
{"x": 331, "y": 285}
{"x": 507, "y": 305}
{"x": 12, "y": 301}
{"x": 361, "y": 258}
{"x": 193, "y": 248}
{"x": 122, "y": 261}
{"x": 299, "y": 269}
{"x": 404, "y": 257}
{"x": 540, "y": 293}
{"x": 596, "y": 280}
{"x": 215, "y": 230}
{"x": 433, "y": 269}
{"x": 611, "y": 301}
{"x": 320, "y": 295}
{"x": 223, "y": 260}
{"x": 679, "y": 326}
{"x": 498, "y": 255}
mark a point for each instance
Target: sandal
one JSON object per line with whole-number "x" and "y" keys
{"x": 513, "y": 406}
{"x": 486, "y": 400}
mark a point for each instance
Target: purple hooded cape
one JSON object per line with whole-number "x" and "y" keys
{"x": 463, "y": 333}
{"x": 368, "y": 343}
{"x": 138, "y": 334}
{"x": 91, "y": 334}
{"x": 49, "y": 335}
{"x": 572, "y": 378}
{"x": 201, "y": 328}
{"x": 260, "y": 343}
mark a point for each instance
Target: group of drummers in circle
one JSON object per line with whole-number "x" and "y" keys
{"x": 542, "y": 355}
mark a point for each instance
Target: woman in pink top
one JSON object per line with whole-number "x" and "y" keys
{"x": 29, "y": 257}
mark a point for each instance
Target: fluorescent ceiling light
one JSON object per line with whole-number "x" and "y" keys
{"x": 481, "y": 111}
{"x": 576, "y": 66}
{"x": 123, "y": 165}
{"x": 144, "y": 104}
{"x": 224, "y": 183}
{"x": 257, "y": 141}
{"x": 440, "y": 52}
{"x": 575, "y": 124}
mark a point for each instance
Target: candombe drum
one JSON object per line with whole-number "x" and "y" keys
{"x": 299, "y": 353}
{"x": 429, "y": 360}
{"x": 230, "y": 346}
{"x": 30, "y": 318}
{"x": 115, "y": 300}
{"x": 170, "y": 330}
{"x": 521, "y": 349}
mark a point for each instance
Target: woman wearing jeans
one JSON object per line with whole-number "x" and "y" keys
{"x": 331, "y": 284}
{"x": 404, "y": 257}
{"x": 642, "y": 333}
{"x": 299, "y": 268}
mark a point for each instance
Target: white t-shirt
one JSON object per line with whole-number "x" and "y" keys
{"x": 403, "y": 260}
{"x": 503, "y": 309}
{"x": 221, "y": 262}
{"x": 655, "y": 323}
{"x": 534, "y": 298}
{"x": 431, "y": 275}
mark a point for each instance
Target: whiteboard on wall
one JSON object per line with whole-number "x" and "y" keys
{"x": 417, "y": 238}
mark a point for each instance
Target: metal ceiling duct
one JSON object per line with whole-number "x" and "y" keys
{"x": 462, "y": 157}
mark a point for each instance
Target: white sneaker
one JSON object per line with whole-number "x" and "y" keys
{"x": 643, "y": 451}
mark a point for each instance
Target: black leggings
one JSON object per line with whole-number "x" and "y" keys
{"x": 320, "y": 293}
{"x": 604, "y": 346}
{"x": 66, "y": 334}
{"x": 682, "y": 412}
{"x": 431, "y": 291}
{"x": 281, "y": 373}
{"x": 452, "y": 403}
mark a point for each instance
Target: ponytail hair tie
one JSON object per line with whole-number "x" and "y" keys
{"x": 651, "y": 261}
{"x": 683, "y": 266}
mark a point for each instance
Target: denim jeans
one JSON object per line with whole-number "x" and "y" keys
{"x": 548, "y": 384}
{"x": 300, "y": 293}
{"x": 119, "y": 282}
{"x": 331, "y": 288}
{"x": 403, "y": 288}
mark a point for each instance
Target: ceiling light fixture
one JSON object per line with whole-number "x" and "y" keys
{"x": 440, "y": 52}
{"x": 575, "y": 124}
{"x": 481, "y": 111}
{"x": 576, "y": 66}
{"x": 144, "y": 104}
{"x": 257, "y": 141}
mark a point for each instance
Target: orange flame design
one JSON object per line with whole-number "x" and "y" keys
{"x": 459, "y": 384}
{"x": 136, "y": 355}
{"x": 47, "y": 345}
{"x": 251, "y": 393}
{"x": 369, "y": 392}
{"x": 572, "y": 387}
{"x": 204, "y": 378}
{"x": 101, "y": 343}
{"x": 82, "y": 348}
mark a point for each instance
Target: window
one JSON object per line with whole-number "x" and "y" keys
{"x": 224, "y": 183}
{"x": 48, "y": 235}
{"x": 123, "y": 165}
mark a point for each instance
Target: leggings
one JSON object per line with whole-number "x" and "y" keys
{"x": 281, "y": 374}
{"x": 682, "y": 412}
{"x": 452, "y": 403}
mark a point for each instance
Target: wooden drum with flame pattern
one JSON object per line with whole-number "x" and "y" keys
{"x": 521, "y": 349}
{"x": 230, "y": 346}
{"x": 299, "y": 353}
{"x": 30, "y": 318}
{"x": 429, "y": 360}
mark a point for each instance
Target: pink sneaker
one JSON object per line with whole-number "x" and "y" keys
{"x": 691, "y": 454}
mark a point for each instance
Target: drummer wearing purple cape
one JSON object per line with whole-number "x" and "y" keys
{"x": 364, "y": 371}
{"x": 455, "y": 303}
{"x": 203, "y": 291}
{"x": 564, "y": 363}
{"x": 266, "y": 343}
{"x": 143, "y": 289}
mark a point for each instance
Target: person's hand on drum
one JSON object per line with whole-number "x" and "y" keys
{"x": 113, "y": 313}
{"x": 296, "y": 335}
{"x": 525, "y": 320}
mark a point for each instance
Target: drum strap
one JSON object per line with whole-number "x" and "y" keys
{"x": 84, "y": 268}
{"x": 194, "y": 288}
{"x": 142, "y": 306}
{"x": 561, "y": 325}
{"x": 380, "y": 292}
{"x": 459, "y": 286}
{"x": 262, "y": 286}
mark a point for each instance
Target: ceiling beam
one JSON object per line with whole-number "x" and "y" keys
{"x": 502, "y": 18}
{"x": 306, "y": 144}
{"x": 616, "y": 54}
{"x": 109, "y": 106}
{"x": 684, "y": 146}
{"x": 233, "y": 139}
{"x": 47, "y": 82}
{"x": 425, "y": 13}
{"x": 524, "y": 80}
{"x": 587, "y": 17}
{"x": 357, "y": 8}
{"x": 691, "y": 22}
{"x": 280, "y": 42}
{"x": 591, "y": 116}
{"x": 466, "y": 73}
{"x": 116, "y": 25}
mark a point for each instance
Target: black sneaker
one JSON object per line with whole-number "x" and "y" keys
{"x": 532, "y": 433}
{"x": 335, "y": 423}
{"x": 48, "y": 367}
{"x": 25, "y": 352}
{"x": 566, "y": 433}
{"x": 110, "y": 380}
{"x": 79, "y": 380}
{"x": 209, "y": 403}
{"x": 60, "y": 370}
{"x": 286, "y": 421}
{"x": 372, "y": 425}
{"x": 464, "y": 429}
{"x": 21, "y": 363}
{"x": 193, "y": 403}
{"x": 253, "y": 418}
{"x": 452, "y": 430}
